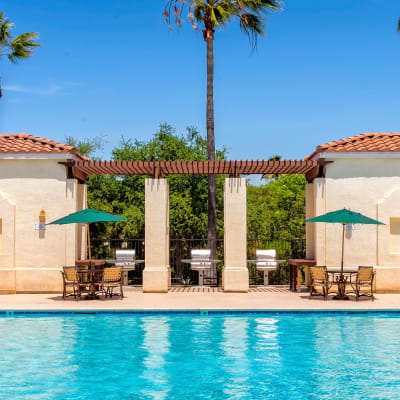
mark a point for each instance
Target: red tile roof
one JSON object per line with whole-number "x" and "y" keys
{"x": 22, "y": 143}
{"x": 366, "y": 142}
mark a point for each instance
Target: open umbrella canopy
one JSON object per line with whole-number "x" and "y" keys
{"x": 87, "y": 216}
{"x": 345, "y": 216}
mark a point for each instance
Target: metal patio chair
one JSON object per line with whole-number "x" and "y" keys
{"x": 71, "y": 279}
{"x": 112, "y": 278}
{"x": 364, "y": 285}
{"x": 320, "y": 284}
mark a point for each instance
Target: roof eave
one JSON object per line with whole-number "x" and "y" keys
{"x": 329, "y": 155}
{"x": 41, "y": 156}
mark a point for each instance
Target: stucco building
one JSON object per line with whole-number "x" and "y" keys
{"x": 35, "y": 188}
{"x": 363, "y": 175}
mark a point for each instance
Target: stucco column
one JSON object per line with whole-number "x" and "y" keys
{"x": 235, "y": 273}
{"x": 156, "y": 274}
{"x": 82, "y": 238}
{"x": 71, "y": 251}
{"x": 320, "y": 229}
{"x": 7, "y": 245}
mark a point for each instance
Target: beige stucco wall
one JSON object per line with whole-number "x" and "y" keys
{"x": 235, "y": 272}
{"x": 156, "y": 274}
{"x": 28, "y": 186}
{"x": 370, "y": 186}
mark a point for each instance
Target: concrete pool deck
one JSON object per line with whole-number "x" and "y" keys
{"x": 217, "y": 300}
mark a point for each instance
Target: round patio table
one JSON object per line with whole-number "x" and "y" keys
{"x": 341, "y": 279}
{"x": 90, "y": 263}
{"x": 92, "y": 279}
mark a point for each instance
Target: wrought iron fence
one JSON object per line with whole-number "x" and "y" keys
{"x": 181, "y": 274}
{"x": 104, "y": 249}
{"x": 285, "y": 249}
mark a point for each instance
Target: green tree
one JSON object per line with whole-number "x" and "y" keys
{"x": 86, "y": 147}
{"x": 15, "y": 48}
{"x": 212, "y": 15}
{"x": 124, "y": 195}
{"x": 276, "y": 210}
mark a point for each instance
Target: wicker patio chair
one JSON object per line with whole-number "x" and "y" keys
{"x": 72, "y": 279}
{"x": 112, "y": 278}
{"x": 320, "y": 284}
{"x": 364, "y": 285}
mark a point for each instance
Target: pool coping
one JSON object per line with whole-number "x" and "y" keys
{"x": 203, "y": 312}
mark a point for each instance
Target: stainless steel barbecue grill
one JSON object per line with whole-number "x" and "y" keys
{"x": 126, "y": 259}
{"x": 201, "y": 261}
{"x": 266, "y": 261}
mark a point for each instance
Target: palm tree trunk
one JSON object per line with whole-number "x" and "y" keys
{"x": 212, "y": 195}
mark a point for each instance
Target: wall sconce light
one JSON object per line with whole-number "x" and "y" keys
{"x": 41, "y": 226}
{"x": 42, "y": 217}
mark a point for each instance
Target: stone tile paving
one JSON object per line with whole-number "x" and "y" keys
{"x": 259, "y": 298}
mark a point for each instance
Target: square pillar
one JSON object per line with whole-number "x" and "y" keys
{"x": 235, "y": 273}
{"x": 71, "y": 230}
{"x": 156, "y": 274}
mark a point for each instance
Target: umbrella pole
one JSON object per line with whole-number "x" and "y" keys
{"x": 342, "y": 249}
{"x": 88, "y": 237}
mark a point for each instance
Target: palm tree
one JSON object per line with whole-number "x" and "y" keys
{"x": 212, "y": 15}
{"x": 17, "y": 48}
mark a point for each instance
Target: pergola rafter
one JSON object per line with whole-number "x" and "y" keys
{"x": 158, "y": 169}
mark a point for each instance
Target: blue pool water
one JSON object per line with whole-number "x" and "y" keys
{"x": 261, "y": 356}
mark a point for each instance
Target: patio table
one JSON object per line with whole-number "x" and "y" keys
{"x": 295, "y": 272}
{"x": 90, "y": 263}
{"x": 341, "y": 279}
{"x": 93, "y": 278}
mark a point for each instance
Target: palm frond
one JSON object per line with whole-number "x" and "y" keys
{"x": 5, "y": 30}
{"x": 214, "y": 14}
{"x": 23, "y": 46}
{"x": 252, "y": 25}
{"x": 259, "y": 6}
{"x": 398, "y": 26}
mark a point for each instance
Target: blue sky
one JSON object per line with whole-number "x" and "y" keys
{"x": 326, "y": 70}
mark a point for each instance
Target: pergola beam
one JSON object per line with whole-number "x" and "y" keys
{"x": 158, "y": 169}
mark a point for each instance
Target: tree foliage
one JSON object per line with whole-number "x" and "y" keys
{"x": 275, "y": 210}
{"x": 86, "y": 147}
{"x": 124, "y": 195}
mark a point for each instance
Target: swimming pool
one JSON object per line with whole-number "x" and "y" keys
{"x": 193, "y": 356}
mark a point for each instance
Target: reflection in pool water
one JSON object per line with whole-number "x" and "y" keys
{"x": 192, "y": 356}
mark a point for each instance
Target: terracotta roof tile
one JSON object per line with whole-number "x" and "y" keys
{"x": 22, "y": 143}
{"x": 366, "y": 142}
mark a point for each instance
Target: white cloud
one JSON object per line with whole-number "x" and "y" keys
{"x": 47, "y": 91}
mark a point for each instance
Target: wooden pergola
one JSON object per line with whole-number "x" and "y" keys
{"x": 156, "y": 275}
{"x": 158, "y": 169}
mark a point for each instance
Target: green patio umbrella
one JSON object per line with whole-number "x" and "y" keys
{"x": 344, "y": 217}
{"x": 87, "y": 216}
